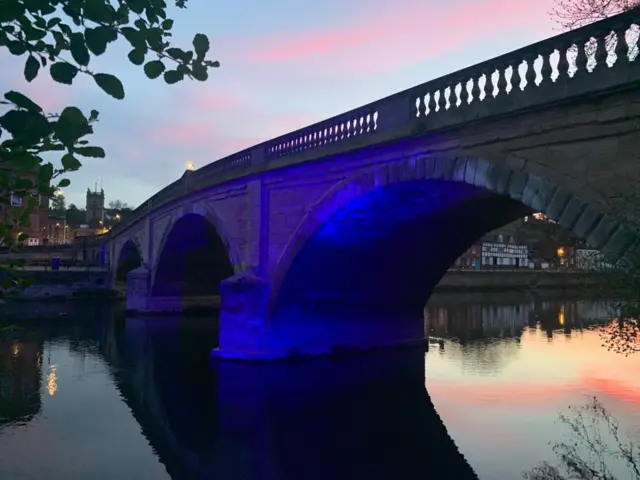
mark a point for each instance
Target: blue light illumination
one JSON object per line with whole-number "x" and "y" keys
{"x": 389, "y": 247}
{"x": 193, "y": 260}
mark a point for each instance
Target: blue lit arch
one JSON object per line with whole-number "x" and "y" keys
{"x": 482, "y": 182}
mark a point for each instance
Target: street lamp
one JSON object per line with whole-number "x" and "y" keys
{"x": 191, "y": 166}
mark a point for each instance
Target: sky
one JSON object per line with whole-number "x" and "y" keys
{"x": 283, "y": 66}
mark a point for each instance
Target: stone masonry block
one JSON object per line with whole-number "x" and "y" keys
{"x": 538, "y": 193}
{"x": 448, "y": 167}
{"x": 460, "y": 166}
{"x": 619, "y": 242}
{"x": 440, "y": 168}
{"x": 470, "y": 170}
{"x": 587, "y": 221}
{"x": 480, "y": 177}
{"x": 603, "y": 231}
{"x": 429, "y": 166}
{"x": 517, "y": 183}
{"x": 558, "y": 203}
{"x": 498, "y": 179}
{"x": 571, "y": 213}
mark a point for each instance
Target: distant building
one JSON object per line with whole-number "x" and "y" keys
{"x": 506, "y": 255}
{"x": 471, "y": 258}
{"x": 589, "y": 259}
{"x": 95, "y": 207}
{"x": 37, "y": 228}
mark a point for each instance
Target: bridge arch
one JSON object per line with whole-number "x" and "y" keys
{"x": 405, "y": 205}
{"x": 128, "y": 257}
{"x": 195, "y": 249}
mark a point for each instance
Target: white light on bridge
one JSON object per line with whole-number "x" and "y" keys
{"x": 191, "y": 166}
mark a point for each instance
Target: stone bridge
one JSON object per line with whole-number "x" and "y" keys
{"x": 366, "y": 210}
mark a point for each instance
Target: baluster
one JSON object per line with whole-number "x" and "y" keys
{"x": 563, "y": 63}
{"x": 622, "y": 47}
{"x": 581, "y": 59}
{"x": 516, "y": 79}
{"x": 475, "y": 88}
{"x": 487, "y": 89}
{"x": 530, "y": 76}
{"x": 422, "y": 106}
{"x": 442, "y": 100}
{"x": 464, "y": 93}
{"x": 601, "y": 54}
{"x": 432, "y": 103}
{"x": 502, "y": 82}
{"x": 545, "y": 69}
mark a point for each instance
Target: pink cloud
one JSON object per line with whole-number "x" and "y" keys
{"x": 45, "y": 92}
{"x": 215, "y": 99}
{"x": 392, "y": 38}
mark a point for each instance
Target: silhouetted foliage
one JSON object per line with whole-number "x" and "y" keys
{"x": 570, "y": 14}
{"x": 64, "y": 35}
{"x": 596, "y": 442}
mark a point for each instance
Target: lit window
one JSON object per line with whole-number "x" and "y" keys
{"x": 16, "y": 200}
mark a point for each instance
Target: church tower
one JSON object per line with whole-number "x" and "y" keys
{"x": 95, "y": 206}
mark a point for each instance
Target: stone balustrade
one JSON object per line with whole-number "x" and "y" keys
{"x": 595, "y": 58}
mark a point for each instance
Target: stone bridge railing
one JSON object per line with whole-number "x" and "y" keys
{"x": 594, "y": 58}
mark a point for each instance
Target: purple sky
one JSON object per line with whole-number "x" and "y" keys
{"x": 283, "y": 66}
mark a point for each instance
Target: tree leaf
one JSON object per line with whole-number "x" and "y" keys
{"x": 110, "y": 85}
{"x": 11, "y": 11}
{"x": 167, "y": 24}
{"x": 71, "y": 126}
{"x": 16, "y": 48}
{"x": 70, "y": 163}
{"x": 64, "y": 183}
{"x": 22, "y": 101}
{"x": 136, "y": 56}
{"x": 200, "y": 44}
{"x": 63, "y": 72}
{"x": 45, "y": 173}
{"x": 94, "y": 152}
{"x": 78, "y": 49}
{"x": 134, "y": 37}
{"x": 25, "y": 126}
{"x": 154, "y": 69}
{"x": 97, "y": 39}
{"x": 199, "y": 72}
{"x": 31, "y": 68}
{"x": 173, "y": 76}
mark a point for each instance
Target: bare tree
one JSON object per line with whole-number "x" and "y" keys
{"x": 118, "y": 205}
{"x": 596, "y": 444}
{"x": 570, "y": 14}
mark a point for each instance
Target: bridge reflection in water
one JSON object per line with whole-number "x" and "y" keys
{"x": 363, "y": 417}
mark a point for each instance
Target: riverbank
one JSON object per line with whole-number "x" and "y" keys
{"x": 486, "y": 280}
{"x": 92, "y": 285}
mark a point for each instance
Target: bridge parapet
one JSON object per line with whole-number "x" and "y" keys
{"x": 593, "y": 59}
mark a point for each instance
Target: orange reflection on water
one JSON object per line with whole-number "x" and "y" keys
{"x": 504, "y": 395}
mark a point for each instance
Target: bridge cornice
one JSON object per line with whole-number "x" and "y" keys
{"x": 456, "y": 99}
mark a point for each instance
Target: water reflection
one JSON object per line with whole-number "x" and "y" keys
{"x": 364, "y": 417}
{"x": 20, "y": 376}
{"x": 139, "y": 398}
{"x": 313, "y": 420}
{"x": 499, "y": 379}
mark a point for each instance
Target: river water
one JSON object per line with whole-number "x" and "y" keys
{"x": 85, "y": 394}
